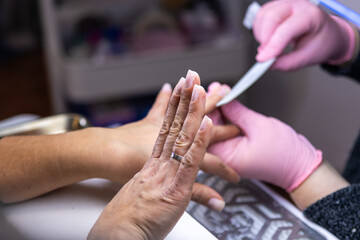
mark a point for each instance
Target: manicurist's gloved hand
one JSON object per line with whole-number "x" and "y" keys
{"x": 315, "y": 36}
{"x": 267, "y": 149}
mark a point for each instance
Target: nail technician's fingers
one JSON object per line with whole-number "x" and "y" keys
{"x": 214, "y": 165}
{"x": 190, "y": 163}
{"x": 161, "y": 102}
{"x": 267, "y": 20}
{"x": 207, "y": 196}
{"x": 243, "y": 117}
{"x": 192, "y": 122}
{"x": 284, "y": 35}
{"x": 168, "y": 120}
{"x": 192, "y": 78}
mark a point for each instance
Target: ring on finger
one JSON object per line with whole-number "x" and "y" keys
{"x": 176, "y": 157}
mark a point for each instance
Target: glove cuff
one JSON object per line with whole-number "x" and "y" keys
{"x": 349, "y": 31}
{"x": 308, "y": 172}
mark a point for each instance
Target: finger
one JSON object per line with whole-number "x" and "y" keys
{"x": 192, "y": 78}
{"x": 191, "y": 123}
{"x": 159, "y": 107}
{"x": 303, "y": 52}
{"x": 207, "y": 196}
{"x": 214, "y": 165}
{"x": 283, "y": 36}
{"x": 241, "y": 116}
{"x": 169, "y": 117}
{"x": 214, "y": 97}
{"x": 269, "y": 17}
{"x": 216, "y": 117}
{"x": 190, "y": 163}
{"x": 212, "y": 87}
{"x": 224, "y": 132}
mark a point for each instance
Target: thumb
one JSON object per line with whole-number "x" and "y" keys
{"x": 245, "y": 118}
{"x": 207, "y": 196}
{"x": 161, "y": 102}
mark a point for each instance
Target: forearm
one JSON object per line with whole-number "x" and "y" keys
{"x": 324, "y": 181}
{"x": 33, "y": 165}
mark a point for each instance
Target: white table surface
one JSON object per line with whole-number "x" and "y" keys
{"x": 70, "y": 212}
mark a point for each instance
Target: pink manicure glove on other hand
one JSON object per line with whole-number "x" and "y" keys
{"x": 315, "y": 36}
{"x": 269, "y": 150}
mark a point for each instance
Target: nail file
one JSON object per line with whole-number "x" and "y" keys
{"x": 250, "y": 14}
{"x": 256, "y": 71}
{"x": 247, "y": 80}
{"x": 340, "y": 10}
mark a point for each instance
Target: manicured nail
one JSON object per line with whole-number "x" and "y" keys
{"x": 179, "y": 86}
{"x": 190, "y": 78}
{"x": 213, "y": 86}
{"x": 216, "y": 204}
{"x": 166, "y": 87}
{"x": 195, "y": 93}
{"x": 205, "y": 123}
{"x": 223, "y": 91}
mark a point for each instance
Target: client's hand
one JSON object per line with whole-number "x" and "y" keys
{"x": 267, "y": 150}
{"x": 150, "y": 204}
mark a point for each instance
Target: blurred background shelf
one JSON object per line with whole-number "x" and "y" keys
{"x": 98, "y": 51}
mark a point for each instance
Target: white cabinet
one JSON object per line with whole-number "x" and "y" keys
{"x": 95, "y": 79}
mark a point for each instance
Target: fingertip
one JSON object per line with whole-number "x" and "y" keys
{"x": 206, "y": 123}
{"x": 216, "y": 204}
{"x": 225, "y": 89}
{"x": 179, "y": 86}
{"x": 213, "y": 87}
{"x": 166, "y": 87}
{"x": 194, "y": 76}
{"x": 266, "y": 54}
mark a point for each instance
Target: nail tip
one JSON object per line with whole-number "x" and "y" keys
{"x": 166, "y": 87}
{"x": 216, "y": 204}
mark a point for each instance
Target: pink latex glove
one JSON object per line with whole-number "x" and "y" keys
{"x": 315, "y": 36}
{"x": 269, "y": 150}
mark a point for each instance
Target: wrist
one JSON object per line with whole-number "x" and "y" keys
{"x": 322, "y": 182}
{"x": 74, "y": 153}
{"x": 349, "y": 43}
{"x": 119, "y": 230}
{"x": 307, "y": 169}
{"x": 103, "y": 153}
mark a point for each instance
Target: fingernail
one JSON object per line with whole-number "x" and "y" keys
{"x": 223, "y": 91}
{"x": 166, "y": 87}
{"x": 213, "y": 86}
{"x": 179, "y": 86}
{"x": 190, "y": 78}
{"x": 195, "y": 93}
{"x": 204, "y": 123}
{"x": 216, "y": 204}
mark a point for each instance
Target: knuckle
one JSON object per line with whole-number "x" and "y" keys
{"x": 182, "y": 140}
{"x": 199, "y": 142}
{"x": 314, "y": 12}
{"x": 175, "y": 194}
{"x": 165, "y": 127}
{"x": 193, "y": 112}
{"x": 175, "y": 127}
{"x": 173, "y": 103}
{"x": 188, "y": 161}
